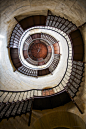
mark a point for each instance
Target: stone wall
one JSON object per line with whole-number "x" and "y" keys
{"x": 73, "y": 10}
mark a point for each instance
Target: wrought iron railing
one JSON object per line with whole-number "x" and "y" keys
{"x": 53, "y": 21}
{"x": 14, "y": 103}
{"x": 74, "y": 78}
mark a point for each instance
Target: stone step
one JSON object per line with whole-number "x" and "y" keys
{"x": 16, "y": 34}
{"x": 27, "y": 71}
{"x": 60, "y": 23}
{"x": 14, "y": 109}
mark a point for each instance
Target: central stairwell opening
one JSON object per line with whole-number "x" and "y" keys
{"x": 16, "y": 103}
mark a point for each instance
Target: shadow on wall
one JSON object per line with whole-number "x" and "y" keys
{"x": 80, "y": 95}
{"x": 55, "y": 120}
{"x": 10, "y": 28}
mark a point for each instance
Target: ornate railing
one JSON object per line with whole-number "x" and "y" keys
{"x": 14, "y": 103}
{"x": 74, "y": 80}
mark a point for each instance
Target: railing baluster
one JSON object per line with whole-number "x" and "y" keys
{"x": 10, "y": 96}
{"x": 2, "y": 94}
{"x": 33, "y": 92}
{"x": 5, "y": 97}
{"x": 37, "y": 92}
{"x": 14, "y": 97}
{"x": 27, "y": 94}
{"x": 19, "y": 96}
{"x": 30, "y": 93}
{"x": 23, "y": 96}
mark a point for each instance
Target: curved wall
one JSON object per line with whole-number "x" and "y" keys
{"x": 10, "y": 80}
{"x": 54, "y": 120}
{"x": 74, "y": 10}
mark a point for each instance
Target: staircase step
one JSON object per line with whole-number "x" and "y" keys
{"x": 13, "y": 113}
{"x": 2, "y": 113}
{"x": 27, "y": 71}
{"x": 16, "y": 34}
{"x": 2, "y": 105}
{"x": 19, "y": 110}
{"x": 60, "y": 23}
{"x": 25, "y": 107}
{"x": 8, "y": 113}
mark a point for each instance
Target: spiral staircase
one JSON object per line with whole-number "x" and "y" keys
{"x": 16, "y": 103}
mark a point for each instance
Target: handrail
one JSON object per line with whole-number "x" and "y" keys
{"x": 66, "y": 75}
{"x": 33, "y": 90}
{"x": 52, "y": 30}
{"x": 79, "y": 64}
{"x": 32, "y": 67}
{"x": 15, "y": 103}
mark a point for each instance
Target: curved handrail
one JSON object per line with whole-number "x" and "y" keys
{"x": 69, "y": 61}
{"x": 50, "y": 29}
{"x": 38, "y": 90}
{"x": 75, "y": 83}
{"x": 32, "y": 67}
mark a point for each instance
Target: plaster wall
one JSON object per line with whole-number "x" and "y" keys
{"x": 9, "y": 9}
{"x": 73, "y": 10}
